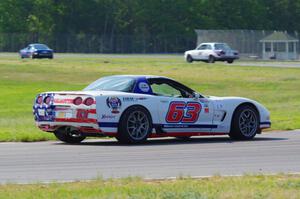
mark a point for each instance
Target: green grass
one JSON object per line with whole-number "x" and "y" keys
{"x": 279, "y": 186}
{"x": 20, "y": 80}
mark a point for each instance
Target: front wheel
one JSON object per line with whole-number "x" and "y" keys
{"x": 135, "y": 125}
{"x": 69, "y": 135}
{"x": 245, "y": 123}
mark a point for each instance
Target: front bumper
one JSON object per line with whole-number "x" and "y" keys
{"x": 265, "y": 125}
{"x": 43, "y": 55}
{"x": 225, "y": 58}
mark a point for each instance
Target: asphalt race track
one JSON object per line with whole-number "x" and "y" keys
{"x": 54, "y": 161}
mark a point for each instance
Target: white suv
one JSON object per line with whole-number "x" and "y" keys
{"x": 211, "y": 52}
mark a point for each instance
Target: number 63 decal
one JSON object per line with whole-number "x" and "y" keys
{"x": 185, "y": 112}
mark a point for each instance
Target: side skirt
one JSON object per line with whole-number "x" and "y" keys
{"x": 186, "y": 134}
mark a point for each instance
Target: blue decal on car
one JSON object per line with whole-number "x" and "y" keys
{"x": 142, "y": 86}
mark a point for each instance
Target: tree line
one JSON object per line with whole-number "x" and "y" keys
{"x": 159, "y": 21}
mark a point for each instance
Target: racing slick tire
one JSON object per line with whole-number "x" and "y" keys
{"x": 211, "y": 59}
{"x": 135, "y": 126}
{"x": 69, "y": 135}
{"x": 189, "y": 59}
{"x": 230, "y": 61}
{"x": 245, "y": 123}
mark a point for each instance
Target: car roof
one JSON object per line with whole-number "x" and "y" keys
{"x": 211, "y": 43}
{"x": 143, "y": 79}
{"x": 139, "y": 76}
{"x": 37, "y": 44}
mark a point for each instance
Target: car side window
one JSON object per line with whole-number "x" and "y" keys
{"x": 208, "y": 47}
{"x": 202, "y": 47}
{"x": 169, "y": 88}
{"x": 222, "y": 47}
{"x": 165, "y": 90}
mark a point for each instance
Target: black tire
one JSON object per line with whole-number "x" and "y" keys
{"x": 245, "y": 123}
{"x": 211, "y": 59}
{"x": 69, "y": 135}
{"x": 51, "y": 57}
{"x": 230, "y": 61}
{"x": 135, "y": 126}
{"x": 189, "y": 59}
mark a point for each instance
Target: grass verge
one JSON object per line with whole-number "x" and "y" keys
{"x": 259, "y": 186}
{"x": 20, "y": 81}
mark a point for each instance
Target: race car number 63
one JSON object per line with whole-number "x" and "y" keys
{"x": 185, "y": 112}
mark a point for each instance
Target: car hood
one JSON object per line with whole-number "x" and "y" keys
{"x": 189, "y": 51}
{"x": 232, "y": 99}
{"x": 39, "y": 50}
{"x": 226, "y": 98}
{"x": 238, "y": 100}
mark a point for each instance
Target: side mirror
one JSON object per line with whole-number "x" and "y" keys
{"x": 196, "y": 95}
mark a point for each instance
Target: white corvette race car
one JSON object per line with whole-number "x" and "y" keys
{"x": 133, "y": 108}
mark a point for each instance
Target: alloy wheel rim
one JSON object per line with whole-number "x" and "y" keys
{"x": 137, "y": 125}
{"x": 248, "y": 122}
{"x": 73, "y": 132}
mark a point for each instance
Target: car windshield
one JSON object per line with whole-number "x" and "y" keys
{"x": 41, "y": 47}
{"x": 222, "y": 47}
{"x": 113, "y": 83}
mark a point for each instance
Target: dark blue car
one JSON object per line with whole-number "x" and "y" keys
{"x": 36, "y": 51}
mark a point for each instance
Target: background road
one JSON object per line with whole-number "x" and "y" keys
{"x": 204, "y": 156}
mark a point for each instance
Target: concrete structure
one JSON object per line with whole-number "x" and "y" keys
{"x": 279, "y": 45}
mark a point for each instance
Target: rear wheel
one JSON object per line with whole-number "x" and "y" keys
{"x": 189, "y": 59}
{"x": 69, "y": 135}
{"x": 135, "y": 125}
{"x": 245, "y": 123}
{"x": 211, "y": 59}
